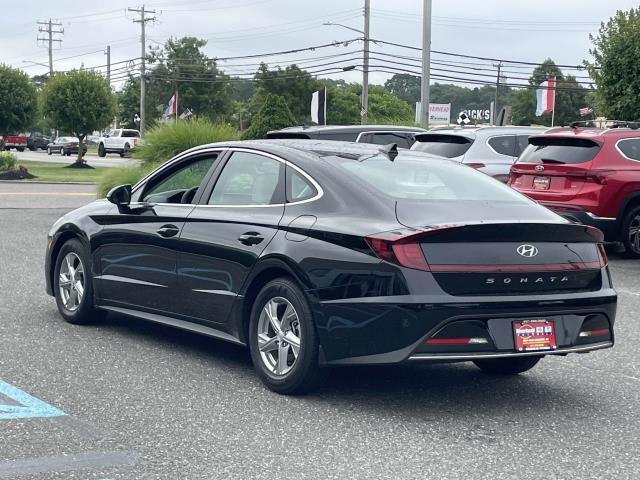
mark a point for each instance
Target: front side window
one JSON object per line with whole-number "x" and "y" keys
{"x": 249, "y": 179}
{"x": 504, "y": 145}
{"x": 181, "y": 184}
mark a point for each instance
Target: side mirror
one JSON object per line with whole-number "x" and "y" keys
{"x": 120, "y": 195}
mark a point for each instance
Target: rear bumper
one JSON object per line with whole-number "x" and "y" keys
{"x": 609, "y": 226}
{"x": 374, "y": 331}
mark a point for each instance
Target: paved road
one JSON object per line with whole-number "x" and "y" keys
{"x": 110, "y": 160}
{"x": 142, "y": 401}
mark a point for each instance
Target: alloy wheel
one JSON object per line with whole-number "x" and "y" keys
{"x": 279, "y": 336}
{"x": 71, "y": 281}
{"x": 634, "y": 233}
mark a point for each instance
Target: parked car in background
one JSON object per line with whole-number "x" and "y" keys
{"x": 492, "y": 150}
{"x": 19, "y": 142}
{"x": 590, "y": 176}
{"x": 377, "y": 134}
{"x": 120, "y": 141}
{"x": 317, "y": 253}
{"x": 37, "y": 140}
{"x": 65, "y": 146}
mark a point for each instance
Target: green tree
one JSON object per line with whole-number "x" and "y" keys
{"x": 387, "y": 108}
{"x": 615, "y": 67}
{"x": 79, "y": 102}
{"x": 18, "y": 101}
{"x": 274, "y": 114}
{"x": 292, "y": 83}
{"x": 405, "y": 86}
{"x": 570, "y": 97}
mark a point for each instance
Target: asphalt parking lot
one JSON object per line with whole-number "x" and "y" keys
{"x": 131, "y": 400}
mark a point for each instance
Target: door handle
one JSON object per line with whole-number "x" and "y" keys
{"x": 250, "y": 238}
{"x": 167, "y": 231}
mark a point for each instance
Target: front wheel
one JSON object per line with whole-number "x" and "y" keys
{"x": 61, "y": 152}
{"x": 631, "y": 233}
{"x": 72, "y": 285}
{"x": 283, "y": 339}
{"x": 507, "y": 366}
{"x": 101, "y": 151}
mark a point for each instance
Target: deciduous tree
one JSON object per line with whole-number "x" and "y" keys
{"x": 18, "y": 101}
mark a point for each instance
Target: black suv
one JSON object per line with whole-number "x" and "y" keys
{"x": 37, "y": 140}
{"x": 377, "y": 134}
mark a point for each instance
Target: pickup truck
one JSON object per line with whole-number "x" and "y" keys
{"x": 120, "y": 140}
{"x": 19, "y": 142}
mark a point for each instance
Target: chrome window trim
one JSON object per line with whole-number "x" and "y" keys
{"x": 316, "y": 185}
{"x": 624, "y": 154}
{"x": 500, "y": 135}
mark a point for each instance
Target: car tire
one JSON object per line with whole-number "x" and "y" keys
{"x": 101, "y": 151}
{"x": 280, "y": 368}
{"x": 20, "y": 149}
{"x": 48, "y": 151}
{"x": 631, "y": 233}
{"x": 72, "y": 285}
{"x": 62, "y": 152}
{"x": 507, "y": 366}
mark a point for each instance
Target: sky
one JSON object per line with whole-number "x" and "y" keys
{"x": 525, "y": 30}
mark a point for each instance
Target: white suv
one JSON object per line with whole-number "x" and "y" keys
{"x": 121, "y": 140}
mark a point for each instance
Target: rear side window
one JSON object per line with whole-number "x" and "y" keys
{"x": 630, "y": 148}
{"x": 298, "y": 187}
{"x": 504, "y": 145}
{"x": 559, "y": 150}
{"x": 449, "y": 146}
{"x": 130, "y": 133}
{"x": 522, "y": 142}
{"x": 385, "y": 138}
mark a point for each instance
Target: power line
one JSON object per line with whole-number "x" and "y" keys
{"x": 50, "y": 29}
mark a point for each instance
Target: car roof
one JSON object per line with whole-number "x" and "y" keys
{"x": 347, "y": 128}
{"x": 592, "y": 133}
{"x": 480, "y": 131}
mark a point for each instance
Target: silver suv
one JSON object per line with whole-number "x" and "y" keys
{"x": 491, "y": 150}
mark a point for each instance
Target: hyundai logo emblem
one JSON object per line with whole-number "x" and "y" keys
{"x": 539, "y": 168}
{"x": 527, "y": 251}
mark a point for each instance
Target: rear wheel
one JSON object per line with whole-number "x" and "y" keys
{"x": 631, "y": 233}
{"x": 507, "y": 366}
{"x": 48, "y": 151}
{"x": 283, "y": 340}
{"x": 72, "y": 285}
{"x": 61, "y": 152}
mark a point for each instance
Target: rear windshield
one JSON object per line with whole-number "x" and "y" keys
{"x": 418, "y": 178}
{"x": 130, "y": 133}
{"x": 449, "y": 146}
{"x": 559, "y": 150}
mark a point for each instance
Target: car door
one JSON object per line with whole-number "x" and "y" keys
{"x": 227, "y": 232}
{"x": 137, "y": 252}
{"x": 112, "y": 140}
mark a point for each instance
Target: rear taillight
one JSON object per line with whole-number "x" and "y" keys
{"x": 602, "y": 255}
{"x": 404, "y": 251}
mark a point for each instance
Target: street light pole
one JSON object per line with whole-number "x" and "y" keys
{"x": 426, "y": 61}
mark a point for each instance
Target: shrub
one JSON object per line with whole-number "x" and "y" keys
{"x": 113, "y": 177}
{"x": 274, "y": 114}
{"x": 168, "y": 139}
{"x": 7, "y": 161}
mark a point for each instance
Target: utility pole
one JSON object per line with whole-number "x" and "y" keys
{"x": 50, "y": 29}
{"x": 108, "y": 54}
{"x": 364, "y": 112}
{"x": 143, "y": 23}
{"x": 494, "y": 114}
{"x": 426, "y": 62}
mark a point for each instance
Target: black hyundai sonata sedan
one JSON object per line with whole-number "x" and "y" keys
{"x": 316, "y": 254}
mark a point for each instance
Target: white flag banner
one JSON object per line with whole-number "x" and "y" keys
{"x": 319, "y": 107}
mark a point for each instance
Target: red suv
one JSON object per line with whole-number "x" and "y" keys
{"x": 591, "y": 176}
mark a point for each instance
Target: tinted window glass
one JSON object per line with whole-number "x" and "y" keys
{"x": 559, "y": 150}
{"x": 298, "y": 188}
{"x": 630, "y": 148}
{"x": 130, "y": 133}
{"x": 504, "y": 145}
{"x": 340, "y": 136}
{"x": 380, "y": 138}
{"x": 522, "y": 142}
{"x": 449, "y": 146}
{"x": 171, "y": 187}
{"x": 427, "y": 179}
{"x": 248, "y": 179}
